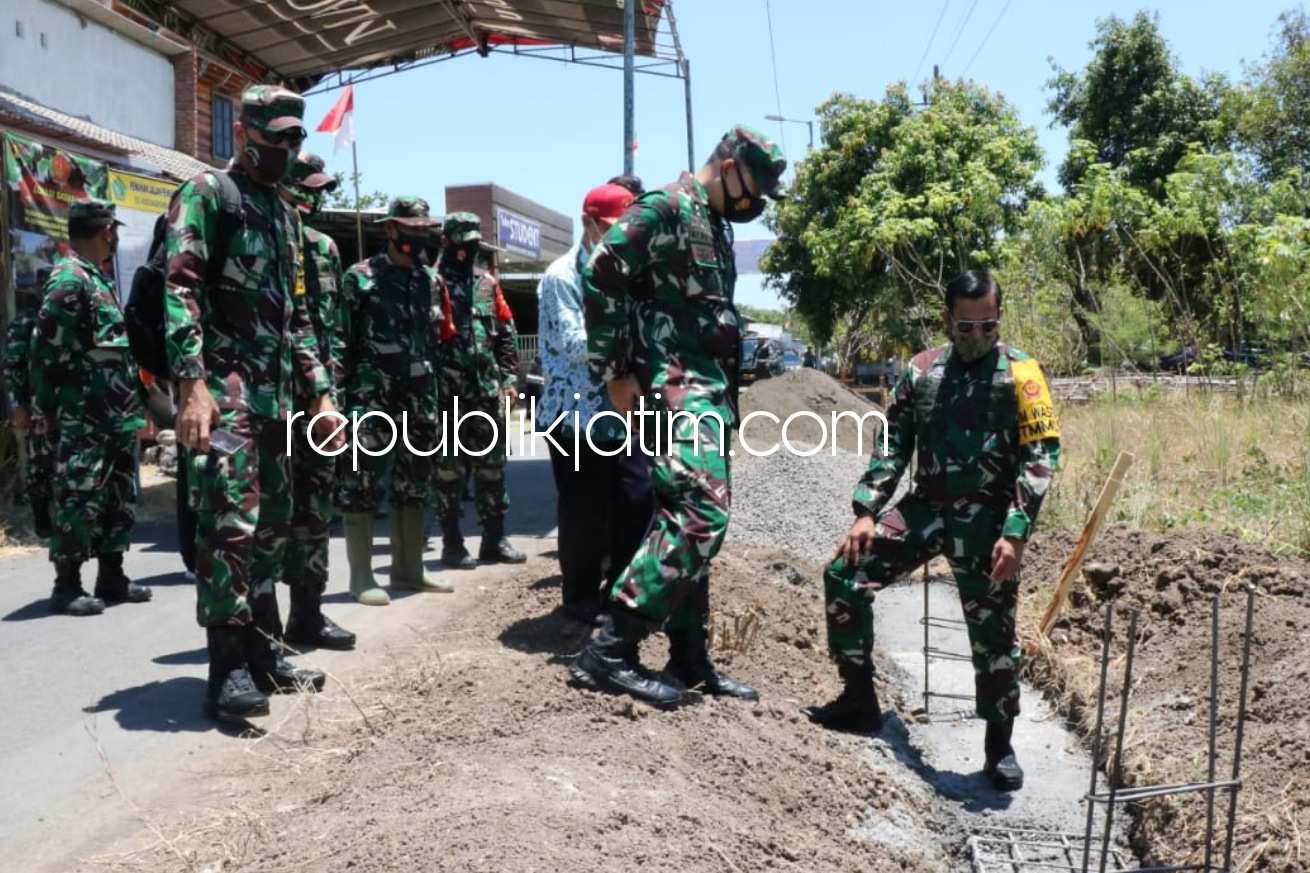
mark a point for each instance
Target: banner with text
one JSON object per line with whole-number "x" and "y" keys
{"x": 43, "y": 181}
{"x": 140, "y": 200}
{"x": 518, "y": 234}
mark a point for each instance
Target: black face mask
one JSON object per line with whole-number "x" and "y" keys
{"x": 741, "y": 209}
{"x": 411, "y": 244}
{"x": 272, "y": 162}
{"x": 461, "y": 257}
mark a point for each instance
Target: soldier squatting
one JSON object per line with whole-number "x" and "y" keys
{"x": 279, "y": 349}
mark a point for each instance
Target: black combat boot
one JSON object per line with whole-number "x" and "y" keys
{"x": 609, "y": 663}
{"x": 1002, "y": 766}
{"x": 69, "y": 597}
{"x": 41, "y": 524}
{"x": 453, "y": 553}
{"x": 689, "y": 663}
{"x": 112, "y": 584}
{"x": 272, "y": 673}
{"x": 856, "y": 708}
{"x": 308, "y": 626}
{"x": 232, "y": 695}
{"x": 495, "y": 548}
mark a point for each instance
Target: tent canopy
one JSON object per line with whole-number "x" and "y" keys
{"x": 301, "y": 41}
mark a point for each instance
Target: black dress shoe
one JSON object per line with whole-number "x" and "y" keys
{"x": 328, "y": 635}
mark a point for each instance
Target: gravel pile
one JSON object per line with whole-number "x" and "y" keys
{"x": 789, "y": 502}
{"x": 806, "y": 390}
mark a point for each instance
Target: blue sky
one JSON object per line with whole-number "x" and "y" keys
{"x": 551, "y": 131}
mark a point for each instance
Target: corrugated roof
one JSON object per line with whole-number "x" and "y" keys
{"x": 24, "y": 114}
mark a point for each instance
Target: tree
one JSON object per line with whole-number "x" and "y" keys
{"x": 1134, "y": 106}
{"x": 895, "y": 203}
{"x": 1274, "y": 121}
{"x": 340, "y": 198}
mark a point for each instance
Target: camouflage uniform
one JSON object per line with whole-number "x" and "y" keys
{"x": 34, "y": 448}
{"x": 658, "y": 305}
{"x": 392, "y": 319}
{"x": 250, "y": 339}
{"x": 477, "y": 364}
{"x": 987, "y": 446}
{"x": 85, "y": 392}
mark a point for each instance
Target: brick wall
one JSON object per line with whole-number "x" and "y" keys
{"x": 185, "y": 105}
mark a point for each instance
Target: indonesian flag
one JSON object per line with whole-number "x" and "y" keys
{"x": 341, "y": 119}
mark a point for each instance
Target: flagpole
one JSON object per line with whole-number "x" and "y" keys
{"x": 359, "y": 220}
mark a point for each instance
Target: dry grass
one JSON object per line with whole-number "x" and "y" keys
{"x": 1212, "y": 458}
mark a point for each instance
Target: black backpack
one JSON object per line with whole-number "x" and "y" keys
{"x": 143, "y": 315}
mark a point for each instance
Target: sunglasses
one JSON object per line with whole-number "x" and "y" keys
{"x": 966, "y": 325}
{"x": 293, "y": 137}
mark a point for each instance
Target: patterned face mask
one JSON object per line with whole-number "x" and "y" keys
{"x": 970, "y": 339}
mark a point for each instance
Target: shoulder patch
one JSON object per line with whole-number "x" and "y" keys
{"x": 1036, "y": 409}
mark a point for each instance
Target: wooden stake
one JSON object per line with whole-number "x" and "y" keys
{"x": 1090, "y": 530}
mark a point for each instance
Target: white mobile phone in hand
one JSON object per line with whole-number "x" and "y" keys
{"x": 226, "y": 443}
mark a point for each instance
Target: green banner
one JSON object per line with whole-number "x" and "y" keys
{"x": 43, "y": 181}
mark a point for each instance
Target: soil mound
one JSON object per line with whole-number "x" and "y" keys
{"x": 1172, "y": 579}
{"x": 806, "y": 390}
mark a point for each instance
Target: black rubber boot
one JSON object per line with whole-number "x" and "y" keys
{"x": 272, "y": 673}
{"x": 232, "y": 695}
{"x": 609, "y": 663}
{"x": 495, "y": 548}
{"x": 453, "y": 553}
{"x": 1002, "y": 765}
{"x": 856, "y": 709}
{"x": 112, "y": 584}
{"x": 689, "y": 663}
{"x": 69, "y": 597}
{"x": 308, "y": 626}
{"x": 41, "y": 524}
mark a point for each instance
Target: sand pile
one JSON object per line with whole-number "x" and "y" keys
{"x": 809, "y": 391}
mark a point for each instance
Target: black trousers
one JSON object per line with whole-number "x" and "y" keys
{"x": 604, "y": 508}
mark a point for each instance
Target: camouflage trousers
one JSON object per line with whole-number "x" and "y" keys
{"x": 94, "y": 496}
{"x": 243, "y": 514}
{"x": 38, "y": 466}
{"x": 361, "y": 490}
{"x": 907, "y": 536}
{"x": 451, "y": 470}
{"x": 667, "y": 580}
{"x": 312, "y": 478}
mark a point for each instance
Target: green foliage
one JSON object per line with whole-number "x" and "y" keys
{"x": 1135, "y": 107}
{"x": 895, "y": 203}
{"x": 344, "y": 197}
{"x": 1274, "y": 111}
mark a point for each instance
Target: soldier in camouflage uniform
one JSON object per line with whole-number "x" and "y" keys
{"x": 394, "y": 316}
{"x": 236, "y": 350}
{"x": 661, "y": 324}
{"x": 979, "y": 414}
{"x": 86, "y": 401}
{"x": 33, "y": 452}
{"x": 305, "y": 569}
{"x": 479, "y": 367}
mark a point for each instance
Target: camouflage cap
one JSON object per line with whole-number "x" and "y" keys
{"x": 92, "y": 213}
{"x": 409, "y": 210}
{"x": 309, "y": 171}
{"x": 761, "y": 156}
{"x": 462, "y": 227}
{"x": 272, "y": 108}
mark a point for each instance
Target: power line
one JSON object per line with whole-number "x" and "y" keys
{"x": 992, "y": 30}
{"x": 773, "y": 56}
{"x": 928, "y": 47}
{"x": 959, "y": 33}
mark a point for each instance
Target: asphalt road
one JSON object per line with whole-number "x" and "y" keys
{"x": 101, "y": 713}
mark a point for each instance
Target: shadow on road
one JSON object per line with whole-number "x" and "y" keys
{"x": 171, "y": 706}
{"x": 188, "y": 657}
{"x": 973, "y": 791}
{"x": 35, "y": 609}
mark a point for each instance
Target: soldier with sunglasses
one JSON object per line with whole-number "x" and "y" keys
{"x": 980, "y": 416}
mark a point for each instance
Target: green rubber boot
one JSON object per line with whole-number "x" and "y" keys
{"x": 407, "y": 540}
{"x": 359, "y": 554}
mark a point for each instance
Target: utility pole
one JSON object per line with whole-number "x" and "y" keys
{"x": 629, "y": 89}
